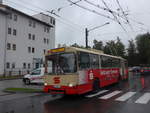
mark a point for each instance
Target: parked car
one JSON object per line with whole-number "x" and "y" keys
{"x": 36, "y": 76}
{"x": 135, "y": 69}
{"x": 145, "y": 70}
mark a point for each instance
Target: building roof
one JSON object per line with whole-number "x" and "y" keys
{"x": 7, "y": 9}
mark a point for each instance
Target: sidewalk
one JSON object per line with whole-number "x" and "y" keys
{"x": 15, "y": 83}
{"x": 4, "y": 94}
{"x": 10, "y": 78}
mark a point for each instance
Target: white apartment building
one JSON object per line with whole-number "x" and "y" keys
{"x": 24, "y": 39}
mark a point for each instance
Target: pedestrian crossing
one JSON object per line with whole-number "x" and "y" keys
{"x": 121, "y": 96}
{"x": 126, "y": 96}
{"x": 144, "y": 99}
{"x": 98, "y": 93}
{"x": 110, "y": 95}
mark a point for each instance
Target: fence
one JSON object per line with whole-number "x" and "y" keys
{"x": 16, "y": 72}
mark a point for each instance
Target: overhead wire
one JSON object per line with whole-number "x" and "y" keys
{"x": 93, "y": 11}
{"x": 104, "y": 8}
{"x": 124, "y": 14}
{"x": 103, "y": 34}
{"x": 62, "y": 20}
{"x": 114, "y": 16}
{"x": 66, "y": 23}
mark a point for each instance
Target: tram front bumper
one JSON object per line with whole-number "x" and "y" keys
{"x": 61, "y": 89}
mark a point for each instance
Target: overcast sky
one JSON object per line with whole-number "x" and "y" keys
{"x": 70, "y": 28}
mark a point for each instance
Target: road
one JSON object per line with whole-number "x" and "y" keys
{"x": 131, "y": 96}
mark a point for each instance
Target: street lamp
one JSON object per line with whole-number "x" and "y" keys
{"x": 87, "y": 32}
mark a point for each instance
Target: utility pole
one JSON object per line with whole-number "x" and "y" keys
{"x": 87, "y": 32}
{"x": 86, "y": 37}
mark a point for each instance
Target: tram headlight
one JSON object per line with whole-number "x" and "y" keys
{"x": 70, "y": 85}
{"x": 45, "y": 84}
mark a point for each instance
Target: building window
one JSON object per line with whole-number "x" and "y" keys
{"x": 24, "y": 65}
{"x": 44, "y": 40}
{"x": 9, "y": 30}
{"x": 29, "y": 49}
{"x": 15, "y": 17}
{"x": 30, "y": 23}
{"x": 29, "y": 36}
{"x": 44, "y": 28}
{"x": 14, "y": 47}
{"x": 7, "y": 65}
{"x": 8, "y": 46}
{"x": 48, "y": 30}
{"x": 34, "y": 24}
{"x": 14, "y": 32}
{"x": 13, "y": 65}
{"x": 33, "y": 37}
{"x": 10, "y": 16}
{"x": 44, "y": 51}
{"x": 47, "y": 41}
{"x": 53, "y": 22}
{"x": 33, "y": 50}
{"x": 29, "y": 65}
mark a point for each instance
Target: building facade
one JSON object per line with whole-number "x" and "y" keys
{"x": 23, "y": 40}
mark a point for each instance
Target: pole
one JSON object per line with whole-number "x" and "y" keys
{"x": 87, "y": 32}
{"x": 86, "y": 37}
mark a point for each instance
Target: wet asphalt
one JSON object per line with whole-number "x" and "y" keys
{"x": 46, "y": 103}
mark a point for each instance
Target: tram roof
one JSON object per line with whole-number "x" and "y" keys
{"x": 75, "y": 49}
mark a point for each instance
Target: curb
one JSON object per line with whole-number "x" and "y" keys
{"x": 2, "y": 79}
{"x": 14, "y": 92}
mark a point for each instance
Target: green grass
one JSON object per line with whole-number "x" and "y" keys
{"x": 23, "y": 90}
{"x": 10, "y": 77}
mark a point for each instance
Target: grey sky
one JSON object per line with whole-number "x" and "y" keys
{"x": 72, "y": 31}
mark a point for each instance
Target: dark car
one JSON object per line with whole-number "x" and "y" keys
{"x": 135, "y": 69}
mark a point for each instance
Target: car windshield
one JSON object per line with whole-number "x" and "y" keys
{"x": 62, "y": 63}
{"x": 36, "y": 72}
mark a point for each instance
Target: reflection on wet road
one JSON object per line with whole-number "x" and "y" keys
{"x": 27, "y": 104}
{"x": 132, "y": 96}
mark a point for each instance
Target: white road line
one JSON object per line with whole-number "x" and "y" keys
{"x": 110, "y": 95}
{"x": 98, "y": 93}
{"x": 125, "y": 96}
{"x": 144, "y": 99}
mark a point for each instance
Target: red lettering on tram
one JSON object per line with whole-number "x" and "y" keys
{"x": 56, "y": 80}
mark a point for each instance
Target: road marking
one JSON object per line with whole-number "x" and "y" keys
{"x": 98, "y": 93}
{"x": 144, "y": 99}
{"x": 125, "y": 96}
{"x": 110, "y": 95}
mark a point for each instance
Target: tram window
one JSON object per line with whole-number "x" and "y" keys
{"x": 106, "y": 62}
{"x": 94, "y": 61}
{"x": 84, "y": 60}
{"x": 115, "y": 62}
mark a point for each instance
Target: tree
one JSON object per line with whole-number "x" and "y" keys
{"x": 115, "y": 48}
{"x": 76, "y": 45}
{"x": 120, "y": 48}
{"x": 110, "y": 48}
{"x": 61, "y": 45}
{"x": 132, "y": 54}
{"x": 143, "y": 48}
{"x": 98, "y": 45}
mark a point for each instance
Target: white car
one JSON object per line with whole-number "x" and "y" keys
{"x": 36, "y": 76}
